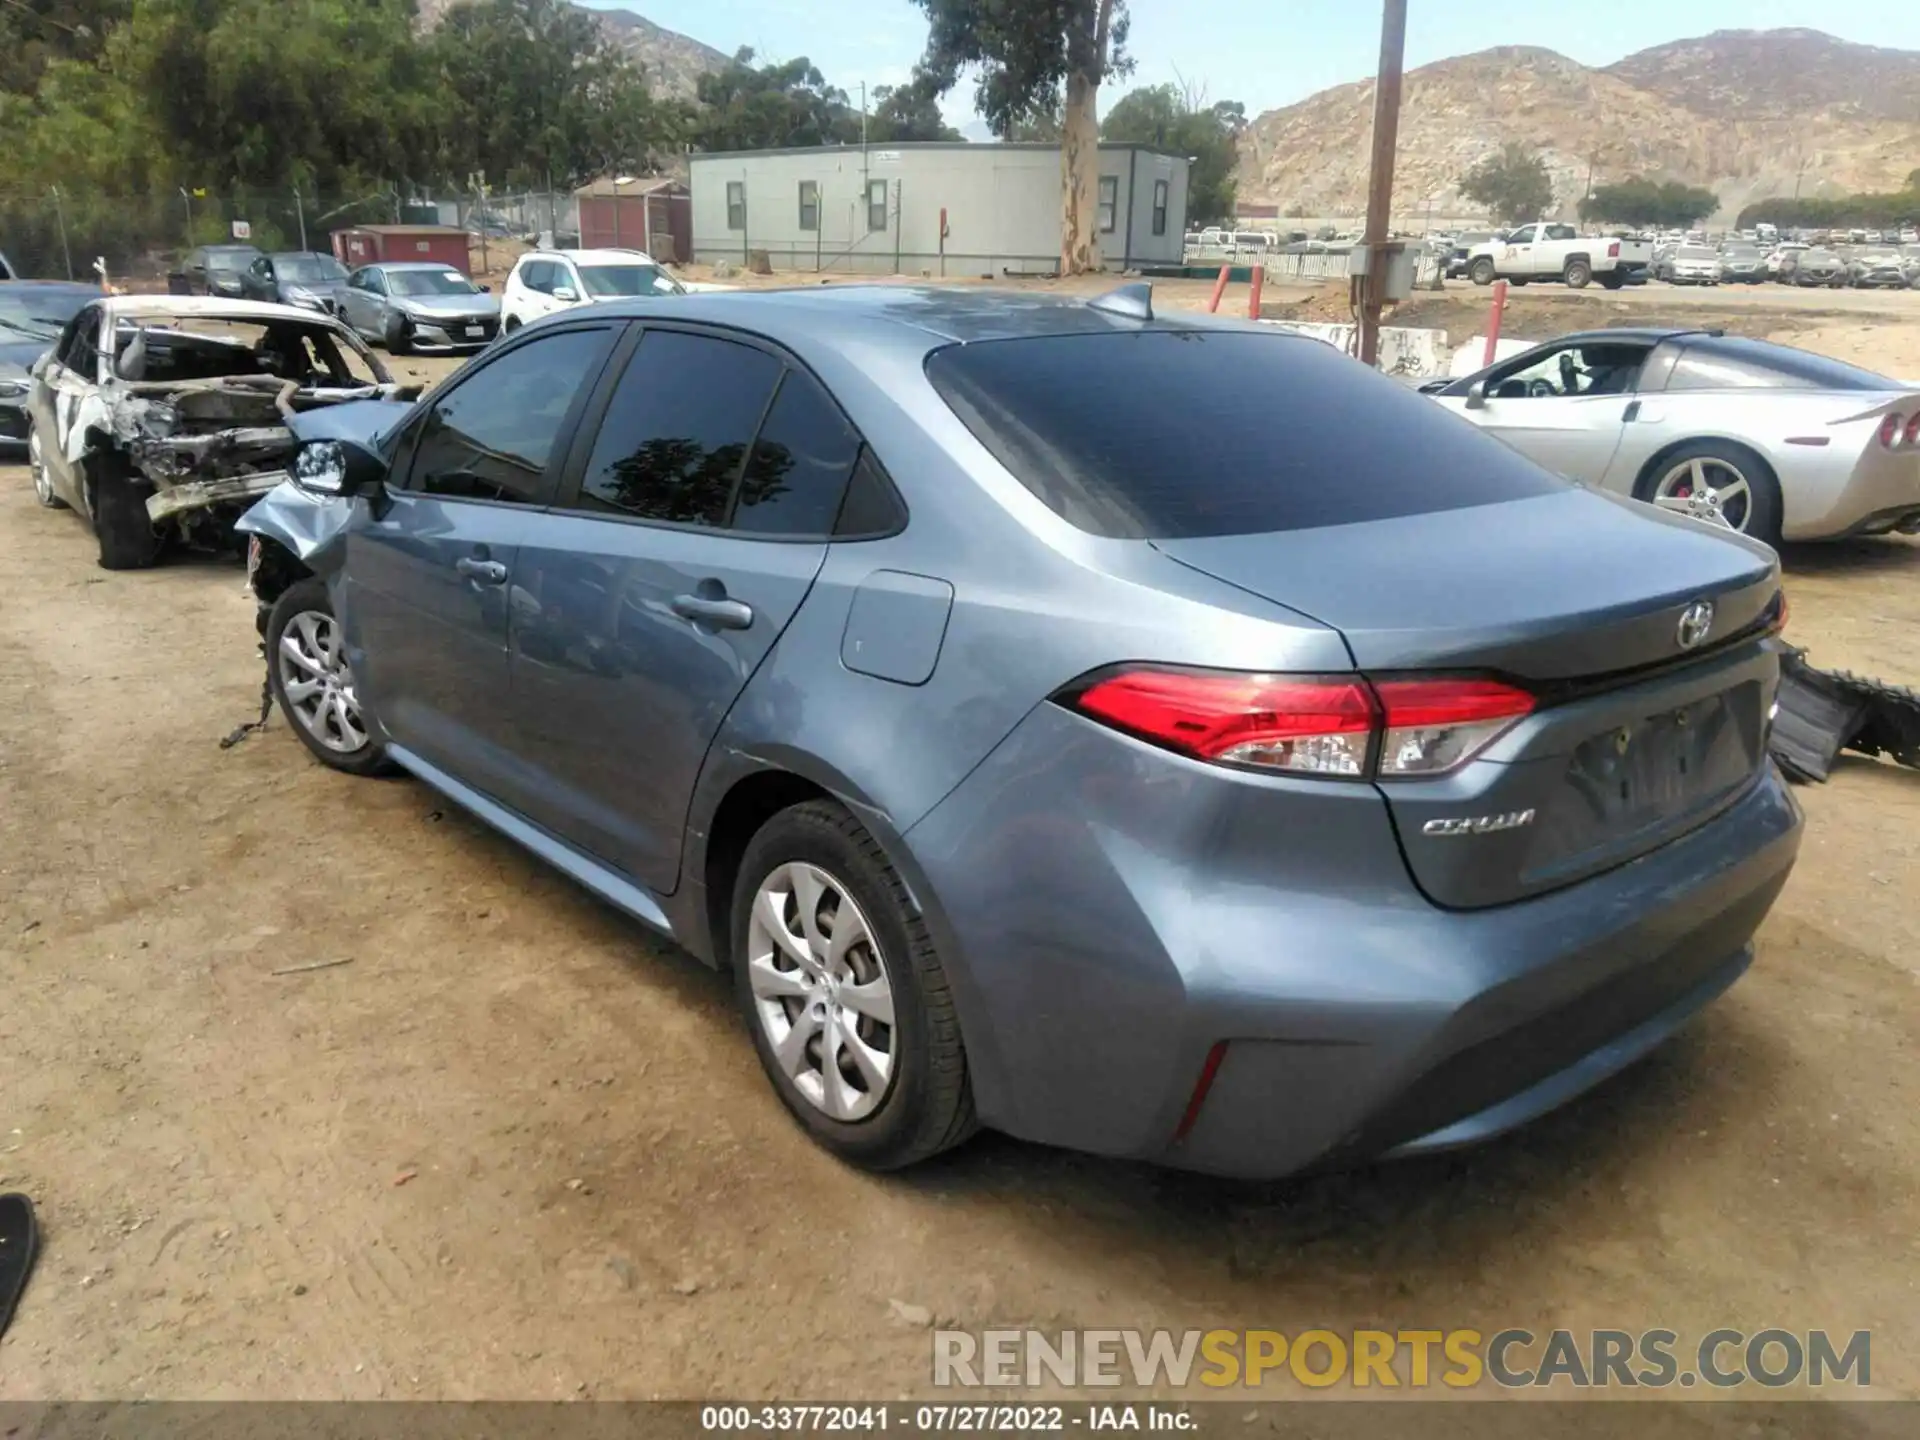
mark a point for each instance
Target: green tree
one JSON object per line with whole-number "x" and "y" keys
{"x": 906, "y": 113}
{"x": 1513, "y": 184}
{"x": 770, "y": 107}
{"x": 1644, "y": 202}
{"x": 35, "y": 33}
{"x": 1029, "y": 55}
{"x": 1169, "y": 117}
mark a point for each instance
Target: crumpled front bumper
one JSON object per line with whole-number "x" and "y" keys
{"x": 205, "y": 494}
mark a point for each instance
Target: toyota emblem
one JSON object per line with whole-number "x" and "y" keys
{"x": 1696, "y": 622}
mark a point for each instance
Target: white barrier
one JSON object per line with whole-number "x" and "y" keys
{"x": 1412, "y": 352}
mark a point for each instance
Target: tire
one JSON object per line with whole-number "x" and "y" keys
{"x": 924, "y": 1104}
{"x": 1578, "y": 274}
{"x": 42, "y": 476}
{"x": 121, "y": 525}
{"x": 1482, "y": 271}
{"x": 1612, "y": 280}
{"x": 396, "y": 335}
{"x": 303, "y": 615}
{"x": 1761, "y": 518}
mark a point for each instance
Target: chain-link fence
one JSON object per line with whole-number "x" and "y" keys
{"x": 139, "y": 239}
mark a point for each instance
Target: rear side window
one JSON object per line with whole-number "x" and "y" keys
{"x": 1169, "y": 434}
{"x": 677, "y": 429}
{"x": 798, "y": 470}
{"x": 1733, "y": 363}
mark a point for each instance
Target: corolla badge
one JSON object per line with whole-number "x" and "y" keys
{"x": 1478, "y": 824}
{"x": 1696, "y": 623}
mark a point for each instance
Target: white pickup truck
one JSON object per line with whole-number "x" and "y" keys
{"x": 1547, "y": 251}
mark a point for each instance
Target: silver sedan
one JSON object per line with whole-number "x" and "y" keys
{"x": 416, "y": 305}
{"x": 1780, "y": 443}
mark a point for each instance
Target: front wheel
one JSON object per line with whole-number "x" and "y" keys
{"x": 1482, "y": 271}
{"x": 121, "y": 525}
{"x": 513, "y": 324}
{"x": 397, "y": 334}
{"x": 849, "y": 1006}
{"x": 42, "y": 476}
{"x": 308, "y": 671}
{"x": 1717, "y": 475}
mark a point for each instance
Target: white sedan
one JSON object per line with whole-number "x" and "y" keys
{"x": 1783, "y": 444}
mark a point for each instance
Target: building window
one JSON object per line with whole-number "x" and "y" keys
{"x": 809, "y": 204}
{"x": 736, "y": 204}
{"x": 1109, "y": 202}
{"x": 876, "y": 205}
{"x": 1159, "y": 207}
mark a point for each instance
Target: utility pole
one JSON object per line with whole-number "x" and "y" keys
{"x": 60, "y": 217}
{"x": 1368, "y": 289}
{"x": 189, "y": 199}
{"x": 300, "y": 213}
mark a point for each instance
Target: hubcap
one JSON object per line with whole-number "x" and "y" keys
{"x": 318, "y": 684}
{"x": 1707, "y": 488}
{"x": 821, "y": 992}
{"x": 36, "y": 462}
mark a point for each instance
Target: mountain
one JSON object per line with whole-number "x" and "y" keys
{"x": 1746, "y": 113}
{"x": 673, "y": 61}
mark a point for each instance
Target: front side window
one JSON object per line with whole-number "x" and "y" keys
{"x": 1590, "y": 369}
{"x": 492, "y": 436}
{"x": 798, "y": 469}
{"x": 876, "y": 205}
{"x": 1109, "y": 202}
{"x": 1176, "y": 434}
{"x": 1159, "y": 207}
{"x": 736, "y": 204}
{"x": 677, "y": 429}
{"x": 809, "y": 205}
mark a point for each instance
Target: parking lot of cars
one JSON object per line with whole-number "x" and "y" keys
{"x": 509, "y": 1143}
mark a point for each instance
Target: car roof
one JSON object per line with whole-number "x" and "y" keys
{"x": 409, "y": 265}
{"x": 14, "y": 286}
{"x": 297, "y": 254}
{"x": 213, "y": 307}
{"x": 924, "y": 316}
{"x": 594, "y": 257}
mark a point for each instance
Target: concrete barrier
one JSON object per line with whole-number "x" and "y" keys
{"x": 1410, "y": 351}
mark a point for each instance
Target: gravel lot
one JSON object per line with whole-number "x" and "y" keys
{"x": 519, "y": 1149}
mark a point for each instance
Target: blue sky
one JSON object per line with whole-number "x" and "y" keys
{"x": 1265, "y": 52}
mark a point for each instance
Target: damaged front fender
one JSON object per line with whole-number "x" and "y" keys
{"x": 308, "y": 527}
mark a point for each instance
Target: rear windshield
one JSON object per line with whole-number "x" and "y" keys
{"x": 1173, "y": 434}
{"x": 1733, "y": 361}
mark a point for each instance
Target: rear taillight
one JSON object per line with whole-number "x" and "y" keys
{"x": 1912, "y": 433}
{"x": 1434, "y": 725}
{"x": 1336, "y": 726}
{"x": 1305, "y": 724}
{"x": 1889, "y": 431}
{"x": 1613, "y": 251}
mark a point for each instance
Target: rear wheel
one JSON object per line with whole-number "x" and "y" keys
{"x": 42, "y": 476}
{"x": 308, "y": 671}
{"x": 1578, "y": 274}
{"x": 1482, "y": 271}
{"x": 1613, "y": 280}
{"x": 121, "y": 525}
{"x": 849, "y": 1006}
{"x": 1722, "y": 476}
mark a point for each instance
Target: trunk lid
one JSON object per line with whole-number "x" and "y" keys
{"x": 1580, "y": 597}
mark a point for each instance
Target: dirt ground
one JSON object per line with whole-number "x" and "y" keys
{"x": 517, "y": 1148}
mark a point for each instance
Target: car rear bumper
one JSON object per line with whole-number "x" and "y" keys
{"x": 1113, "y": 913}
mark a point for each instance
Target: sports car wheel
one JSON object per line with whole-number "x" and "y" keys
{"x": 1719, "y": 476}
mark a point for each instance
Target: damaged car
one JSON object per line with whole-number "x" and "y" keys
{"x": 160, "y": 418}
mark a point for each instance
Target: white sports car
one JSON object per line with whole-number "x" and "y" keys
{"x": 1781, "y": 443}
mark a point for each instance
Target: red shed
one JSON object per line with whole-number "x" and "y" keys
{"x": 653, "y": 214}
{"x": 369, "y": 244}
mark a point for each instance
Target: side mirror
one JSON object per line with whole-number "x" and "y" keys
{"x": 331, "y": 468}
{"x": 1477, "y": 395}
{"x": 564, "y": 294}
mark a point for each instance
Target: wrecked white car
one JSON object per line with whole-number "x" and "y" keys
{"x": 161, "y": 418}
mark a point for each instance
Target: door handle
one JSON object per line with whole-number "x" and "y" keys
{"x": 483, "y": 572}
{"x": 721, "y": 613}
